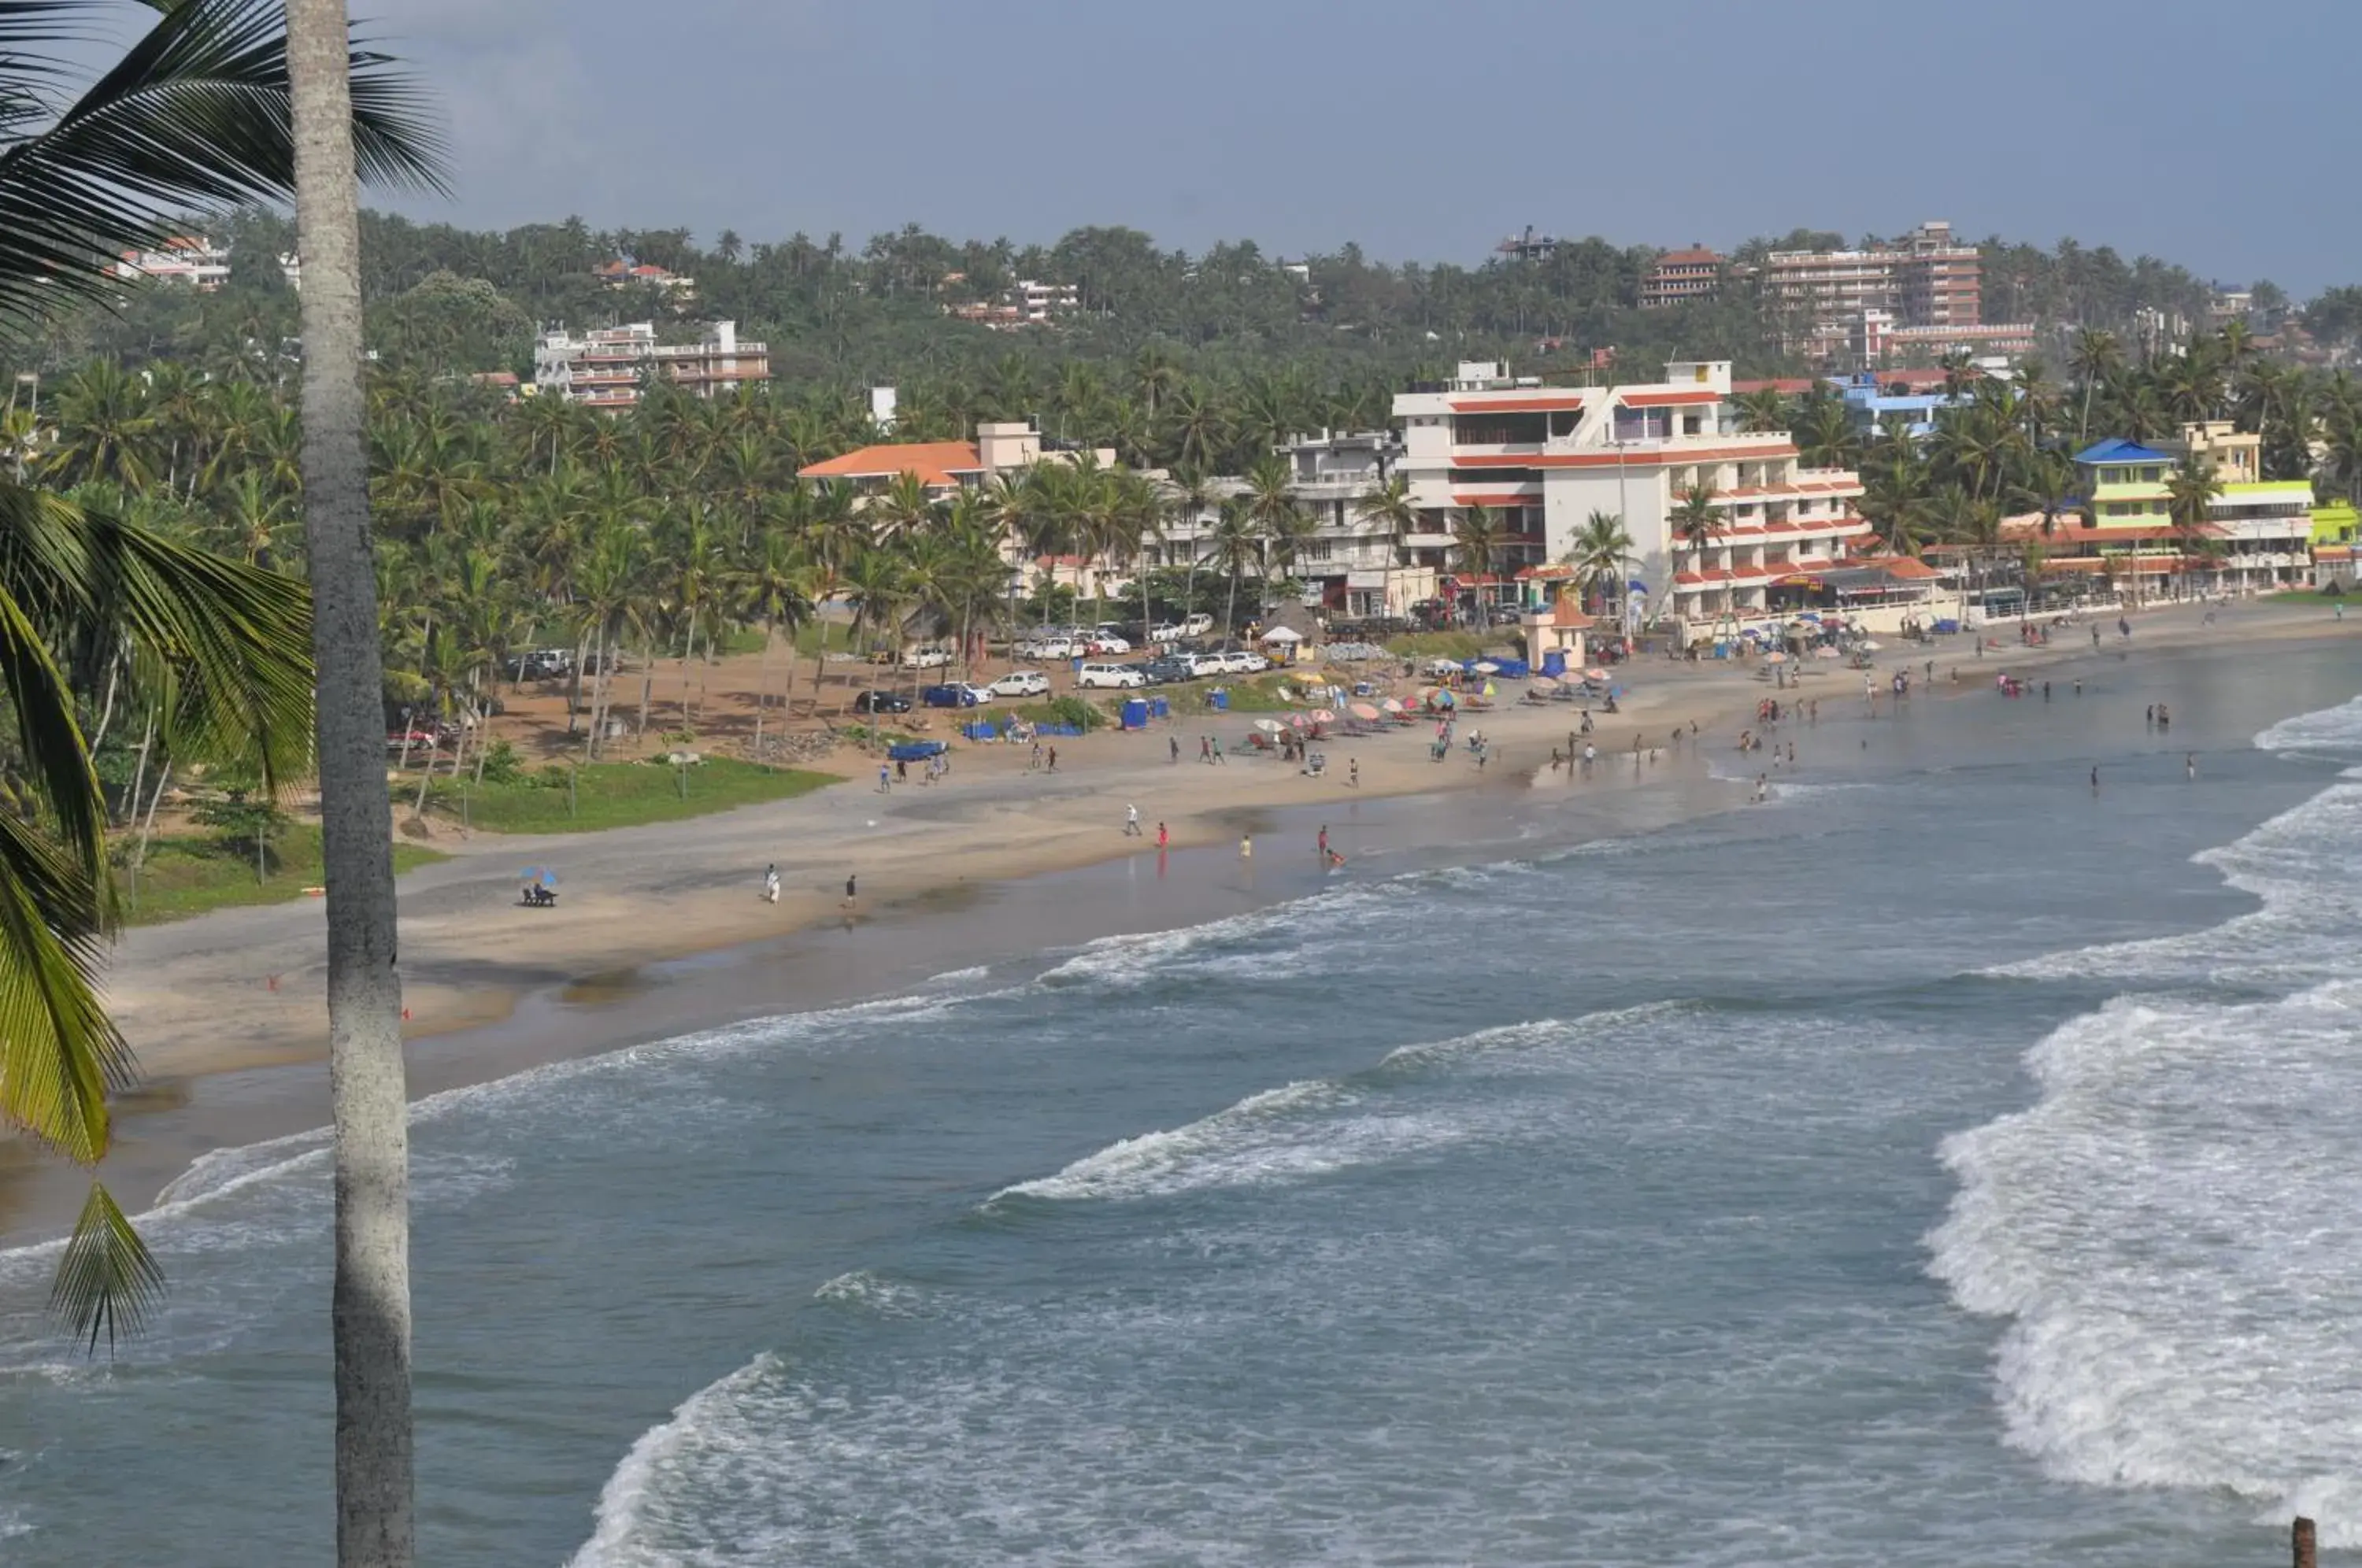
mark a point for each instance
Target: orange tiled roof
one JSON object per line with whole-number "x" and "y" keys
{"x": 935, "y": 462}
{"x": 1667, "y": 399}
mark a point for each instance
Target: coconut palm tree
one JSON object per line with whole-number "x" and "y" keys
{"x": 328, "y": 152}
{"x": 1479, "y": 535}
{"x": 1232, "y": 544}
{"x": 1598, "y": 554}
{"x": 1696, "y": 517}
{"x": 1766, "y": 408}
{"x": 2096, "y": 362}
{"x": 195, "y": 112}
{"x": 2188, "y": 498}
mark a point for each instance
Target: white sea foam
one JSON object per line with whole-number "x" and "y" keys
{"x": 1314, "y": 1127}
{"x": 869, "y": 1293}
{"x": 2170, "y": 1227}
{"x": 627, "y": 1500}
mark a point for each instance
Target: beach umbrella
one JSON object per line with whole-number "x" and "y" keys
{"x": 1824, "y": 651}
{"x": 1268, "y": 726}
{"x": 1446, "y": 700}
{"x": 540, "y": 876}
{"x": 1594, "y": 675}
{"x": 1486, "y": 667}
{"x": 1867, "y": 647}
{"x": 1392, "y": 705}
{"x": 1363, "y": 712}
{"x": 1323, "y": 716}
{"x": 1545, "y": 681}
{"x": 1282, "y": 634}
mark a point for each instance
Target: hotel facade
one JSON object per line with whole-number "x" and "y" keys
{"x": 1546, "y": 457}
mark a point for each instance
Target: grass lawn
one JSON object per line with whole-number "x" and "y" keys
{"x": 620, "y": 794}
{"x": 185, "y": 876}
{"x": 1440, "y": 645}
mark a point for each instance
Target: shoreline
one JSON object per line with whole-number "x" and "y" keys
{"x": 996, "y": 867}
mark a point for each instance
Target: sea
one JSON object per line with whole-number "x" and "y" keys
{"x": 1944, "y": 1162}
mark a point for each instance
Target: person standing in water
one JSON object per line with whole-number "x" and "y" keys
{"x": 1163, "y": 837}
{"x": 2190, "y": 765}
{"x": 1324, "y": 840}
{"x": 851, "y": 893}
{"x": 1246, "y": 847}
{"x": 2095, "y": 778}
{"x": 771, "y": 884}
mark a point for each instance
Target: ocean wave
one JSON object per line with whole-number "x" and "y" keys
{"x": 2334, "y": 730}
{"x": 630, "y": 1496}
{"x": 2169, "y": 1231}
{"x": 868, "y": 1292}
{"x": 2296, "y": 866}
{"x": 1316, "y": 1127}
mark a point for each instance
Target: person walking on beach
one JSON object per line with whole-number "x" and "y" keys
{"x": 885, "y": 780}
{"x": 1131, "y": 822}
{"x": 2046, "y": 692}
{"x": 1352, "y": 773}
{"x": 850, "y": 895}
{"x": 1163, "y": 838}
{"x": 771, "y": 884}
{"x": 1217, "y": 753}
{"x": 2095, "y": 637}
{"x": 1205, "y": 748}
{"x": 1175, "y": 742}
{"x": 1053, "y": 760}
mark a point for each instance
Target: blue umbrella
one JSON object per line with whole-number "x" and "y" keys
{"x": 541, "y": 875}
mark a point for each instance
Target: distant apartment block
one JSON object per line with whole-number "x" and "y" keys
{"x": 191, "y": 260}
{"x": 1529, "y": 246}
{"x": 1680, "y": 276}
{"x": 1024, "y": 304}
{"x": 1924, "y": 283}
{"x": 612, "y": 367}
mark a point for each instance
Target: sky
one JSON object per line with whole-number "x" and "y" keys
{"x": 2219, "y": 136}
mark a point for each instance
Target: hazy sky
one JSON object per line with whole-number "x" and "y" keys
{"x": 2220, "y": 137}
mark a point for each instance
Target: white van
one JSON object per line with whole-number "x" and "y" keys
{"x": 1117, "y": 676}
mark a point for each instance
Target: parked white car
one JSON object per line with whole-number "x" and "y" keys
{"x": 1046, "y": 647}
{"x": 925, "y": 658}
{"x": 1023, "y": 683}
{"x": 1233, "y": 661}
{"x": 1105, "y": 643}
{"x": 1197, "y": 625}
{"x": 1116, "y": 676}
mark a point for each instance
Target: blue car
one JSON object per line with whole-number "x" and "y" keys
{"x": 955, "y": 695}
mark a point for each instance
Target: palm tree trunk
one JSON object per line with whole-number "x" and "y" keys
{"x": 368, "y": 1091}
{"x": 763, "y": 687}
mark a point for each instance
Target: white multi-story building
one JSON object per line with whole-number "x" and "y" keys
{"x": 609, "y": 367}
{"x": 1546, "y": 458}
{"x": 1353, "y": 560}
{"x": 192, "y": 260}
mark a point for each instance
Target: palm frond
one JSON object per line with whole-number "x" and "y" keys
{"x": 107, "y": 1282}
{"x": 235, "y": 638}
{"x": 58, "y": 1052}
{"x": 197, "y": 113}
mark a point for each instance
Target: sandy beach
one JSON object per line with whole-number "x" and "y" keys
{"x": 662, "y": 930}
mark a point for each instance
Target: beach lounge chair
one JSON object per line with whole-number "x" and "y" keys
{"x": 539, "y": 897}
